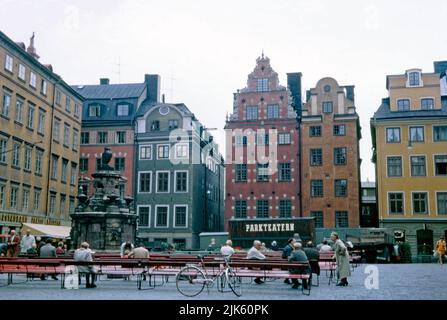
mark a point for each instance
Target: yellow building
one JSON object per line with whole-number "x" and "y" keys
{"x": 409, "y": 133}
{"x": 40, "y": 123}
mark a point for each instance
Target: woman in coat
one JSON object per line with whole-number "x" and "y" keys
{"x": 342, "y": 258}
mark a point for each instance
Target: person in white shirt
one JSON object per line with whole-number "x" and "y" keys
{"x": 325, "y": 247}
{"x": 227, "y": 249}
{"x": 27, "y": 242}
{"x": 255, "y": 253}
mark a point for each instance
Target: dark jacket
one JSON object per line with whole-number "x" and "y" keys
{"x": 314, "y": 256}
{"x": 287, "y": 251}
{"x": 299, "y": 256}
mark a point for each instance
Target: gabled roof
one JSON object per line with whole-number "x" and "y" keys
{"x": 111, "y": 91}
{"x": 384, "y": 112}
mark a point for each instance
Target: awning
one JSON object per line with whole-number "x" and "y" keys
{"x": 45, "y": 230}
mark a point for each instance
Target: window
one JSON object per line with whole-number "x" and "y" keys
{"x": 77, "y": 111}
{"x": 120, "y": 164}
{"x": 56, "y": 130}
{"x": 120, "y": 137}
{"x": 393, "y": 135}
{"x": 341, "y": 219}
{"x": 420, "y": 203}
{"x": 162, "y": 182}
{"x": 427, "y": 103}
{"x": 241, "y": 140}
{"x": 25, "y": 204}
{"x": 143, "y": 216}
{"x": 54, "y": 160}
{"x": 340, "y": 156}
{"x": 241, "y": 173}
{"x": 39, "y": 158}
{"x": 19, "y": 110}
{"x": 417, "y": 134}
{"x": 64, "y": 170}
{"x": 285, "y": 209}
{"x": 71, "y": 206}
{"x": 155, "y": 125}
{"x": 339, "y": 130}
{"x": 414, "y": 78}
{"x": 30, "y": 122}
{"x": 316, "y": 188}
{"x": 240, "y": 209}
{"x": 9, "y": 63}
{"x": 102, "y": 137}
{"x": 327, "y": 107}
{"x": 85, "y": 137}
{"x": 144, "y": 182}
{"x": 16, "y": 155}
{"x": 341, "y": 188}
{"x": 75, "y": 139}
{"x": 262, "y": 85}
{"x": 2, "y": 196}
{"x": 316, "y": 157}
{"x": 163, "y": 151}
{"x": 181, "y": 181}
{"x": 28, "y": 154}
{"x": 41, "y": 123}
{"x": 285, "y": 172}
{"x": 441, "y": 165}
{"x": 161, "y": 217}
{"x": 173, "y": 124}
{"x": 37, "y": 194}
{"x": 262, "y": 139}
{"x": 252, "y": 112}
{"x": 396, "y": 203}
{"x": 66, "y": 135}
{"x": 262, "y": 172}
{"x": 284, "y": 138}
{"x": 123, "y": 110}
{"x": 58, "y": 97}
{"x": 62, "y": 205}
{"x": 67, "y": 104}
{"x": 43, "y": 87}
{"x": 315, "y": 131}
{"x": 52, "y": 208}
{"x": 83, "y": 164}
{"x": 394, "y": 166}
{"x": 441, "y": 200}
{"x": 181, "y": 151}
{"x": 14, "y": 197}
{"x": 6, "y": 106}
{"x": 33, "y": 80}
{"x": 262, "y": 208}
{"x": 3, "y": 144}
{"x": 403, "y": 105}
{"x": 94, "y": 110}
{"x": 440, "y": 133}
{"x": 74, "y": 173}
{"x": 22, "y": 72}
{"x": 319, "y": 218}
{"x": 180, "y": 218}
{"x": 146, "y": 153}
{"x": 272, "y": 111}
{"x": 417, "y": 166}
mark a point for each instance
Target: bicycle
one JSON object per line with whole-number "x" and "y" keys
{"x": 192, "y": 279}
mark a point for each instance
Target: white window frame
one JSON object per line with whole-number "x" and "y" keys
{"x": 169, "y": 151}
{"x": 66, "y": 135}
{"x": 149, "y": 218}
{"x": 174, "y": 216}
{"x": 402, "y": 165}
{"x": 39, "y": 162}
{"x": 16, "y": 199}
{"x": 9, "y": 63}
{"x": 145, "y": 146}
{"x": 28, "y": 158}
{"x": 33, "y": 80}
{"x": 407, "y": 82}
{"x": 2, "y": 195}
{"x": 22, "y": 72}
{"x": 6, "y": 107}
{"x": 432, "y": 98}
{"x": 30, "y": 117}
{"x": 386, "y": 135}
{"x": 388, "y": 203}
{"x": 75, "y": 144}
{"x": 167, "y": 216}
{"x": 150, "y": 185}
{"x": 428, "y": 203}
{"x": 56, "y": 130}
{"x": 117, "y": 137}
{"x": 156, "y": 181}
{"x": 423, "y": 133}
{"x": 397, "y": 104}
{"x": 182, "y": 145}
{"x": 4, "y": 155}
{"x": 284, "y": 134}
{"x": 41, "y": 122}
{"x": 436, "y": 202}
{"x": 175, "y": 181}
{"x": 77, "y": 110}
{"x": 44, "y": 89}
{"x": 36, "y": 200}
{"x": 19, "y": 110}
{"x": 118, "y": 109}
{"x": 426, "y": 165}
{"x": 434, "y": 165}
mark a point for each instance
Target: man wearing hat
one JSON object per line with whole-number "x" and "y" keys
{"x": 342, "y": 258}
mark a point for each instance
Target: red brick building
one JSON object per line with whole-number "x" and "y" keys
{"x": 262, "y": 168}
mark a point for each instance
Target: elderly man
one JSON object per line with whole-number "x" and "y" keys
{"x": 27, "y": 242}
{"x": 298, "y": 255}
{"x": 85, "y": 254}
{"x": 286, "y": 251}
{"x": 255, "y": 254}
{"x": 13, "y": 245}
{"x": 48, "y": 251}
{"x": 342, "y": 258}
{"x": 227, "y": 249}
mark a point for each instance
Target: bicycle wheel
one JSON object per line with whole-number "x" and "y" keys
{"x": 190, "y": 281}
{"x": 234, "y": 282}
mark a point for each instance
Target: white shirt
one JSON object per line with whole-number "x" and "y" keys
{"x": 254, "y": 253}
{"x": 226, "y": 250}
{"x": 27, "y": 243}
{"x": 325, "y": 248}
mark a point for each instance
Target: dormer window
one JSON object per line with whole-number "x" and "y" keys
{"x": 403, "y": 105}
{"x": 94, "y": 110}
{"x": 427, "y": 103}
{"x": 414, "y": 78}
{"x": 123, "y": 110}
{"x": 173, "y": 124}
{"x": 262, "y": 85}
{"x": 155, "y": 125}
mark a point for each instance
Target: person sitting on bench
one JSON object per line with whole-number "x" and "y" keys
{"x": 298, "y": 255}
{"x": 286, "y": 251}
{"x": 255, "y": 253}
{"x": 85, "y": 254}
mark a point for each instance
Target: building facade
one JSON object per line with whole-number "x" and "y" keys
{"x": 409, "y": 133}
{"x": 179, "y": 178}
{"x": 262, "y": 166}
{"x": 330, "y": 133}
{"x": 368, "y": 216}
{"x": 40, "y": 125}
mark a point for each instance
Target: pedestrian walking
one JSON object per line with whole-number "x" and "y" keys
{"x": 441, "y": 249}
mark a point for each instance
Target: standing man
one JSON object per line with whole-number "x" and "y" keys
{"x": 255, "y": 254}
{"x": 441, "y": 248}
{"x": 27, "y": 242}
{"x": 286, "y": 253}
{"x": 13, "y": 245}
{"x": 342, "y": 258}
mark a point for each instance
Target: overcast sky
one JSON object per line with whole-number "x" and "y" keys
{"x": 205, "y": 49}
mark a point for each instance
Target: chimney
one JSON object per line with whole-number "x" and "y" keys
{"x": 153, "y": 87}
{"x": 294, "y": 85}
{"x": 31, "y": 49}
{"x": 104, "y": 81}
{"x": 350, "y": 92}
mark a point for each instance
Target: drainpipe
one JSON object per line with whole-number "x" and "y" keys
{"x": 50, "y": 156}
